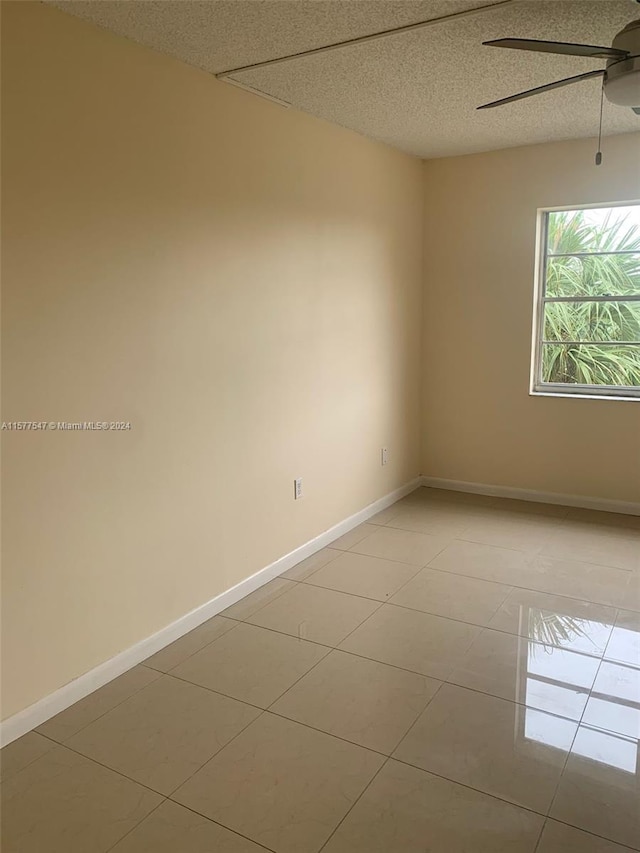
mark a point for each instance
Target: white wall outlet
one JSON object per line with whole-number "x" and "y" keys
{"x": 384, "y": 456}
{"x": 297, "y": 489}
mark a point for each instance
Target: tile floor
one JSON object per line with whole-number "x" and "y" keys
{"x": 459, "y": 675}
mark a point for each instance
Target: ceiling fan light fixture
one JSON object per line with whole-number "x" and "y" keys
{"x": 622, "y": 83}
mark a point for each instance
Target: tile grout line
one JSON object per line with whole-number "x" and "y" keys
{"x": 262, "y": 606}
{"x": 159, "y": 673}
{"x": 202, "y": 648}
{"x": 105, "y": 767}
{"x": 217, "y": 823}
{"x": 429, "y": 565}
{"x": 569, "y": 751}
{"x": 486, "y": 626}
{"x": 355, "y": 802}
{"x": 402, "y": 668}
{"x": 269, "y": 710}
{"x": 264, "y": 711}
{"x": 459, "y": 537}
{"x": 540, "y": 834}
{"x": 471, "y": 788}
{"x": 133, "y": 828}
{"x": 532, "y": 589}
{"x": 562, "y": 520}
{"x": 282, "y": 716}
{"x": 624, "y": 847}
{"x": 385, "y": 756}
{"x": 434, "y": 568}
{"x": 142, "y": 784}
{"x": 100, "y": 716}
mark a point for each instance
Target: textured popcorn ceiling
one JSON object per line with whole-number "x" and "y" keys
{"x": 416, "y": 91}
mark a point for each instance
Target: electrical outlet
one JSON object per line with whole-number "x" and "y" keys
{"x": 384, "y": 456}
{"x": 297, "y": 489}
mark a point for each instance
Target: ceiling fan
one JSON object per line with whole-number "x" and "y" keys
{"x": 620, "y": 78}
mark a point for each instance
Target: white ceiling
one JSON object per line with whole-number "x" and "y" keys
{"x": 416, "y": 91}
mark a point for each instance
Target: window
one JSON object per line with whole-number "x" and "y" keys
{"x": 587, "y": 319}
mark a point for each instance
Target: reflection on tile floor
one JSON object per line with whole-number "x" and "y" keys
{"x": 461, "y": 674}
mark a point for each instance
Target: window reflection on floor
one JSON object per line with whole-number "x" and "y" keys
{"x": 552, "y": 678}
{"x": 607, "y": 748}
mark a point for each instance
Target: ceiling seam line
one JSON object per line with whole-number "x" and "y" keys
{"x": 221, "y": 75}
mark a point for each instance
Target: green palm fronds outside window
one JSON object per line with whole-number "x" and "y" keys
{"x": 592, "y": 342}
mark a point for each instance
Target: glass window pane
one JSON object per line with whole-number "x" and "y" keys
{"x": 604, "y": 229}
{"x": 591, "y": 364}
{"x": 591, "y": 321}
{"x": 594, "y": 275}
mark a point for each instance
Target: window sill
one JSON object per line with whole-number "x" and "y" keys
{"x": 584, "y": 395}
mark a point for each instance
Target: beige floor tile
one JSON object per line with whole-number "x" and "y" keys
{"x": 492, "y": 745}
{"x": 67, "y": 723}
{"x": 253, "y": 602}
{"x": 532, "y": 507}
{"x": 615, "y": 703}
{"x": 307, "y": 567}
{"x": 343, "y": 543}
{"x": 560, "y": 838}
{"x": 251, "y": 664}
{"x": 404, "y": 546}
{"x": 453, "y": 596}
{"x": 518, "y": 530}
{"x": 440, "y": 520}
{"x": 599, "y": 790}
{"x": 24, "y": 751}
{"x": 281, "y": 784}
{"x": 619, "y": 681}
{"x": 357, "y": 574}
{"x": 592, "y": 543}
{"x": 607, "y": 519}
{"x": 598, "y": 584}
{"x": 632, "y": 598}
{"x": 181, "y": 649}
{"x": 406, "y": 810}
{"x": 164, "y": 733}
{"x": 624, "y": 644}
{"x": 363, "y": 701}
{"x": 174, "y": 829}
{"x": 556, "y": 620}
{"x": 316, "y": 614}
{"x": 613, "y": 716}
{"x": 386, "y": 515}
{"x": 416, "y": 641}
{"x": 446, "y": 497}
{"x": 544, "y": 677}
{"x": 422, "y": 493}
{"x": 64, "y": 803}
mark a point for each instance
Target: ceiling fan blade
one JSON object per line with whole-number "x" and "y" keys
{"x": 539, "y": 89}
{"x": 566, "y": 48}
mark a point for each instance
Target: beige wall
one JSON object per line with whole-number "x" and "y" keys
{"x": 241, "y": 282}
{"x": 479, "y": 422}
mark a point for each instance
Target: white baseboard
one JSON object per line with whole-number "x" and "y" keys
{"x": 36, "y": 714}
{"x": 604, "y": 504}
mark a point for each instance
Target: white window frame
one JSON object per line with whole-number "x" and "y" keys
{"x": 537, "y": 387}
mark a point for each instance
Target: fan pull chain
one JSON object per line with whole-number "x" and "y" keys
{"x": 599, "y": 152}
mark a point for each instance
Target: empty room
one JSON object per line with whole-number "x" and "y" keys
{"x": 320, "y": 426}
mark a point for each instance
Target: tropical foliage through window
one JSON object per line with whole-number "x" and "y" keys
{"x": 590, "y": 312}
